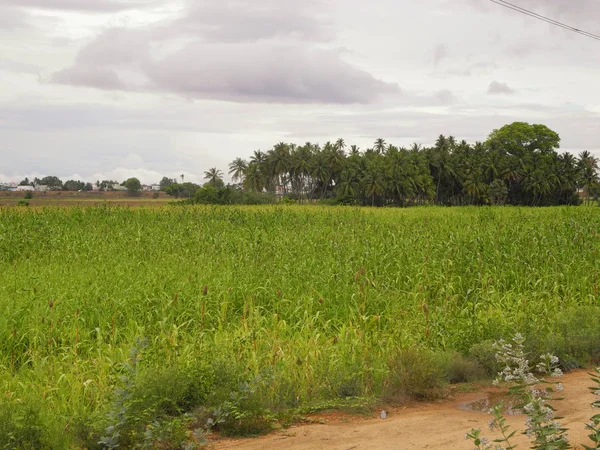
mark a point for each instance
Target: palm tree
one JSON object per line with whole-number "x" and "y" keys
{"x": 379, "y": 145}
{"x": 253, "y": 180}
{"x": 588, "y": 167}
{"x": 373, "y": 181}
{"x": 237, "y": 169}
{"x": 213, "y": 176}
{"x": 348, "y": 184}
{"x": 258, "y": 157}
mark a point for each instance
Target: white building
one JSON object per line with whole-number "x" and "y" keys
{"x": 24, "y": 188}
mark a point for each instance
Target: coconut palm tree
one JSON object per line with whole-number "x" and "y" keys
{"x": 214, "y": 177}
{"x": 237, "y": 169}
{"x": 379, "y": 145}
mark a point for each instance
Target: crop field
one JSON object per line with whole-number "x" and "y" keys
{"x": 116, "y": 321}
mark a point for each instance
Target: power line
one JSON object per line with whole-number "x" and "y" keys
{"x": 545, "y": 19}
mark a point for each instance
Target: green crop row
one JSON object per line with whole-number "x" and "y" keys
{"x": 272, "y": 308}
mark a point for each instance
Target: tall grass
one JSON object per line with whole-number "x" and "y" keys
{"x": 318, "y": 301}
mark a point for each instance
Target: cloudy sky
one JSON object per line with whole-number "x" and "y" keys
{"x": 107, "y": 89}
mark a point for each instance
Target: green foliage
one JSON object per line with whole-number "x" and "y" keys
{"x": 498, "y": 192}
{"x": 166, "y": 182}
{"x": 51, "y": 181}
{"x": 133, "y": 185}
{"x": 28, "y": 195}
{"x": 207, "y": 195}
{"x": 230, "y": 195}
{"x": 460, "y": 369}
{"x": 414, "y": 374}
{"x": 317, "y": 300}
{"x": 518, "y": 165}
{"x": 183, "y": 190}
{"x": 594, "y": 424}
{"x": 21, "y": 426}
{"x": 484, "y": 354}
{"x": 74, "y": 185}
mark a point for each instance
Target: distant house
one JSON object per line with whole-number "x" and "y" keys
{"x": 155, "y": 187}
{"x": 41, "y": 188}
{"x": 118, "y": 187}
{"x": 24, "y": 188}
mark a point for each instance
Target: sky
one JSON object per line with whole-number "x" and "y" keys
{"x": 111, "y": 89}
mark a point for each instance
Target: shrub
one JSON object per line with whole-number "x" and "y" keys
{"x": 244, "y": 412}
{"x": 172, "y": 391}
{"x": 484, "y": 354}
{"x": 21, "y": 426}
{"x": 463, "y": 370}
{"x": 414, "y": 374}
{"x": 28, "y": 195}
{"x": 23, "y": 203}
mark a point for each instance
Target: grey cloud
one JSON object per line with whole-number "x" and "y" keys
{"x": 496, "y": 87}
{"x": 249, "y": 20}
{"x": 11, "y": 18}
{"x": 445, "y": 97}
{"x": 264, "y": 71}
{"x": 586, "y": 11}
{"x": 240, "y": 51}
{"x": 80, "y": 5}
{"x": 19, "y": 67}
{"x": 90, "y": 76}
{"x": 571, "y": 12}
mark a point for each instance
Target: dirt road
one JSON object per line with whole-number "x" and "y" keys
{"x": 421, "y": 426}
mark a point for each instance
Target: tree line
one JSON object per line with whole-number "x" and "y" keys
{"x": 518, "y": 164}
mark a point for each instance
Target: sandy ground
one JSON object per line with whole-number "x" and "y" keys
{"x": 421, "y": 426}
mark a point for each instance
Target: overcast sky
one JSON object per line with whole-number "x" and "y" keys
{"x": 108, "y": 89}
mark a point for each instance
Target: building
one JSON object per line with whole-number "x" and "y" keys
{"x": 24, "y": 188}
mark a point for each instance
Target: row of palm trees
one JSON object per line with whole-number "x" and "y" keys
{"x": 448, "y": 173}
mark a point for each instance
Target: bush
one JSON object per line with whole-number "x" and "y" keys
{"x": 414, "y": 374}
{"x": 23, "y": 203}
{"x": 28, "y": 195}
{"x": 575, "y": 338}
{"x": 241, "y": 410}
{"x": 463, "y": 370}
{"x": 156, "y": 195}
{"x": 484, "y": 354}
{"x": 172, "y": 391}
{"x": 21, "y": 426}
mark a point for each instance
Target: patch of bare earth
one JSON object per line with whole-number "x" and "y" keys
{"x": 420, "y": 426}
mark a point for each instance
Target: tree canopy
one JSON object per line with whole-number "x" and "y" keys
{"x": 518, "y": 164}
{"x": 133, "y": 185}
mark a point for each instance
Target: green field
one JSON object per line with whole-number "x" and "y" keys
{"x": 305, "y": 305}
